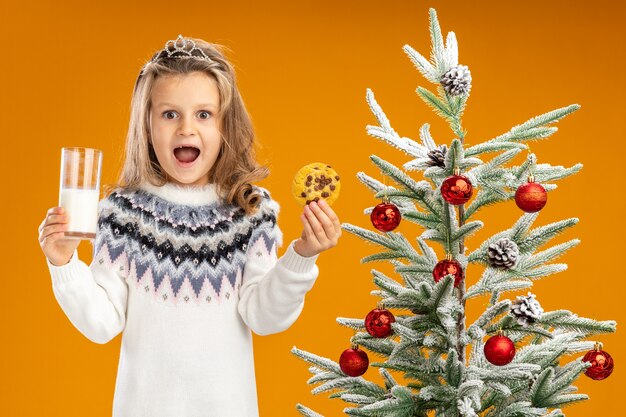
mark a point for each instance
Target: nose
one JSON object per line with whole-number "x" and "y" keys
{"x": 186, "y": 127}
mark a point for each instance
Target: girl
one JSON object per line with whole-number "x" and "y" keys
{"x": 185, "y": 257}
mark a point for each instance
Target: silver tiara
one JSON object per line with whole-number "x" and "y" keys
{"x": 187, "y": 49}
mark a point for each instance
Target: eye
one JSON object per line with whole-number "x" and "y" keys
{"x": 208, "y": 114}
{"x": 165, "y": 113}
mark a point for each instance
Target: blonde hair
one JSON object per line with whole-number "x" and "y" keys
{"x": 235, "y": 169}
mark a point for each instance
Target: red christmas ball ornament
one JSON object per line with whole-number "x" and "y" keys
{"x": 354, "y": 361}
{"x": 385, "y": 216}
{"x": 601, "y": 363}
{"x": 499, "y": 349}
{"x": 456, "y": 189}
{"x": 531, "y": 197}
{"x": 378, "y": 322}
{"x": 448, "y": 266}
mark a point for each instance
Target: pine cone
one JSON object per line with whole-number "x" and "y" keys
{"x": 437, "y": 157}
{"x": 457, "y": 80}
{"x": 503, "y": 254}
{"x": 526, "y": 309}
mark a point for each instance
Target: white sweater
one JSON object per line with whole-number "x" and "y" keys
{"x": 186, "y": 278}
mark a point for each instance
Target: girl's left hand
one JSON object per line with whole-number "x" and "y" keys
{"x": 321, "y": 229}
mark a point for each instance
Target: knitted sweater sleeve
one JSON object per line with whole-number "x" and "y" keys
{"x": 94, "y": 297}
{"x": 271, "y": 297}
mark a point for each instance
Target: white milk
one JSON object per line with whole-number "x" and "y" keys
{"x": 81, "y": 208}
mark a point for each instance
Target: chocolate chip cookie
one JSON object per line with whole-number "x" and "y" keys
{"x": 315, "y": 181}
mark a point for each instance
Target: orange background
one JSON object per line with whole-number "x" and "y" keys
{"x": 303, "y": 67}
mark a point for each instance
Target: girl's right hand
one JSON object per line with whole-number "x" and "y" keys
{"x": 55, "y": 246}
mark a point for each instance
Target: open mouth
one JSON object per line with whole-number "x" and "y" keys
{"x": 186, "y": 154}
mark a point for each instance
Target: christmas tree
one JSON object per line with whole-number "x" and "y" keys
{"x": 515, "y": 359}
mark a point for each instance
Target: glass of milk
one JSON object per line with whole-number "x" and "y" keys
{"x": 79, "y": 191}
